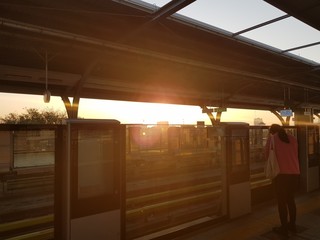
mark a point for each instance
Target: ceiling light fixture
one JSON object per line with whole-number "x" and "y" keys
{"x": 47, "y": 93}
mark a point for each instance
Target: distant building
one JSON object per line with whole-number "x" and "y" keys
{"x": 258, "y": 122}
{"x": 165, "y": 123}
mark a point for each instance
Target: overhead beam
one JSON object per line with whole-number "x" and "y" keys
{"x": 307, "y": 13}
{"x": 261, "y": 25}
{"x": 162, "y": 13}
{"x": 300, "y": 47}
{"x": 169, "y": 9}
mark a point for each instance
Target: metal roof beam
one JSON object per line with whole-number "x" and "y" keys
{"x": 306, "y": 11}
{"x": 300, "y": 47}
{"x": 162, "y": 13}
{"x": 169, "y": 9}
{"x": 261, "y": 25}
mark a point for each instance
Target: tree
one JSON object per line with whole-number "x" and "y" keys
{"x": 35, "y": 116}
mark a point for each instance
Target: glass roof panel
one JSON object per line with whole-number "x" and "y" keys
{"x": 231, "y": 15}
{"x": 158, "y": 3}
{"x": 235, "y": 16}
{"x": 311, "y": 53}
{"x": 286, "y": 34}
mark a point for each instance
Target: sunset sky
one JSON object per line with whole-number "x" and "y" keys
{"x": 130, "y": 112}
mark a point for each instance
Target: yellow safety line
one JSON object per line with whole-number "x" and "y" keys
{"x": 4, "y": 227}
{"x": 43, "y": 234}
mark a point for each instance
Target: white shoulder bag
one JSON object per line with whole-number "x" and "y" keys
{"x": 272, "y": 166}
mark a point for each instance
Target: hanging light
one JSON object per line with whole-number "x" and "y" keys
{"x": 47, "y": 93}
{"x": 46, "y": 96}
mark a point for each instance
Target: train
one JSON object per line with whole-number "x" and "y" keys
{"x": 175, "y": 176}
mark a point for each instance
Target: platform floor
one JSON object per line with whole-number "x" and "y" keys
{"x": 259, "y": 223}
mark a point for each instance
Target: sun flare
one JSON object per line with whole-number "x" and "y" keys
{"x": 147, "y": 113}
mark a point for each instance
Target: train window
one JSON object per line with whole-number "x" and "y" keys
{"x": 312, "y": 141}
{"x": 33, "y": 148}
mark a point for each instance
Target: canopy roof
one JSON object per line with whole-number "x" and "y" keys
{"x": 127, "y": 50}
{"x": 307, "y": 11}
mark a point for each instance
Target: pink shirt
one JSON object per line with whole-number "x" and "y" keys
{"x": 287, "y": 154}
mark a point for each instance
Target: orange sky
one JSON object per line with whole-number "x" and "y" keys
{"x": 130, "y": 112}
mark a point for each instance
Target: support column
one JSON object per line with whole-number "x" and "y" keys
{"x": 284, "y": 122}
{"x": 209, "y": 112}
{"x": 71, "y": 108}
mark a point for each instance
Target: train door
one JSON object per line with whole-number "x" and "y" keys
{"x": 308, "y": 137}
{"x": 91, "y": 201}
{"x": 238, "y": 171}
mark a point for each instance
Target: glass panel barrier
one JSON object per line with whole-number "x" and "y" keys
{"x": 174, "y": 177}
{"x": 95, "y": 163}
{"x": 95, "y": 167}
{"x": 33, "y": 148}
{"x": 27, "y": 161}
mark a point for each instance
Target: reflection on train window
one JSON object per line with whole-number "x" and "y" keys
{"x": 239, "y": 152}
{"x": 165, "y": 138}
{"x": 193, "y": 138}
{"x": 173, "y": 139}
{"x": 33, "y": 148}
{"x": 291, "y": 130}
{"x": 147, "y": 138}
{"x": 312, "y": 141}
{"x": 257, "y": 138}
{"x": 95, "y": 163}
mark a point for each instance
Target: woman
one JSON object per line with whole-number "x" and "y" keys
{"x": 286, "y": 149}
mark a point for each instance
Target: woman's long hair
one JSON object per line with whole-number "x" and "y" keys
{"x": 276, "y": 128}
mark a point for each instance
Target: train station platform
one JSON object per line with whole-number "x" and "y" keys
{"x": 259, "y": 223}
